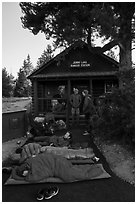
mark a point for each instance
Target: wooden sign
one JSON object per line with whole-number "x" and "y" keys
{"x": 80, "y": 64}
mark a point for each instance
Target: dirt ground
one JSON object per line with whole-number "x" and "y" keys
{"x": 121, "y": 160}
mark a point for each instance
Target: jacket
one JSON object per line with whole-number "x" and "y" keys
{"x": 88, "y": 106}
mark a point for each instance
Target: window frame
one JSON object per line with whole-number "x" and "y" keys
{"x": 112, "y": 86}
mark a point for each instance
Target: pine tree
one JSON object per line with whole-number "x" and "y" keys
{"x": 20, "y": 82}
{"x": 7, "y": 83}
{"x": 27, "y": 66}
{"x": 23, "y": 85}
{"x": 45, "y": 56}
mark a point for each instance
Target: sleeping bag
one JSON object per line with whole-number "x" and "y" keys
{"x": 47, "y": 165}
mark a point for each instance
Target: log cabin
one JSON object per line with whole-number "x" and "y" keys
{"x": 78, "y": 66}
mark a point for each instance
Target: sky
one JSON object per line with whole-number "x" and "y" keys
{"x": 18, "y": 42}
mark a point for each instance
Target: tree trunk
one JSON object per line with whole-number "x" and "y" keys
{"x": 126, "y": 53}
{"x": 126, "y": 57}
{"x": 125, "y": 36}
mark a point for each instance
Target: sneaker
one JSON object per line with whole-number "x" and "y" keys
{"x": 96, "y": 159}
{"x": 51, "y": 192}
{"x": 47, "y": 193}
{"x": 67, "y": 135}
{"x": 19, "y": 142}
{"x": 86, "y": 133}
{"x": 41, "y": 193}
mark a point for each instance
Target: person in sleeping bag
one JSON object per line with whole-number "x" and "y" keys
{"x": 30, "y": 150}
{"x": 46, "y": 165}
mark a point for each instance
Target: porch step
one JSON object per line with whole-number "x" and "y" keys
{"x": 82, "y": 121}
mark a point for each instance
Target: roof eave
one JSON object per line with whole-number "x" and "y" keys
{"x": 66, "y": 75}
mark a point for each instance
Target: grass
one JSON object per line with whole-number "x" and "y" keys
{"x": 121, "y": 160}
{"x": 14, "y": 104}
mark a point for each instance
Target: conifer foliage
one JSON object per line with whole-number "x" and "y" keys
{"x": 45, "y": 56}
{"x": 116, "y": 112}
{"x": 7, "y": 83}
{"x": 23, "y": 85}
{"x": 67, "y": 22}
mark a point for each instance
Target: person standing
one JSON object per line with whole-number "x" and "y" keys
{"x": 88, "y": 110}
{"x": 75, "y": 101}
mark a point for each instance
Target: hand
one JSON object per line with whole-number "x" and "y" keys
{"x": 30, "y": 150}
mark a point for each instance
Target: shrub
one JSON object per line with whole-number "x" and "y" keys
{"x": 117, "y": 112}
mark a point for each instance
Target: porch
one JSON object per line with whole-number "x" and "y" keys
{"x": 52, "y": 95}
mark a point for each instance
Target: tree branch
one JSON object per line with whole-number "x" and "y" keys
{"x": 108, "y": 46}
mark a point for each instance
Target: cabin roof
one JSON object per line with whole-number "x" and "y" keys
{"x": 60, "y": 57}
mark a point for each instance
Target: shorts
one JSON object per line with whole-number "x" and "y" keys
{"x": 75, "y": 111}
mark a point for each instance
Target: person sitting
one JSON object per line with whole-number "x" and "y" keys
{"x": 56, "y": 106}
{"x": 60, "y": 101}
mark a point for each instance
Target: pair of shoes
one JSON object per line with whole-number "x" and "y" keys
{"x": 47, "y": 193}
{"x": 86, "y": 133}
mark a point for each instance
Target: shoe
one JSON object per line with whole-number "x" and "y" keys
{"x": 41, "y": 193}
{"x": 52, "y": 191}
{"x": 86, "y": 133}
{"x": 67, "y": 135}
{"x": 96, "y": 159}
{"x": 19, "y": 142}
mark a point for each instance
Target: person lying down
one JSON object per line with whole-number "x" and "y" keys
{"x": 39, "y": 166}
{"x": 33, "y": 149}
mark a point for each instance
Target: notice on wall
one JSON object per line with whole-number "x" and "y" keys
{"x": 80, "y": 64}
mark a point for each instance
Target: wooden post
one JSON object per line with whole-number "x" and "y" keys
{"x": 91, "y": 87}
{"x": 68, "y": 104}
{"x": 35, "y": 97}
